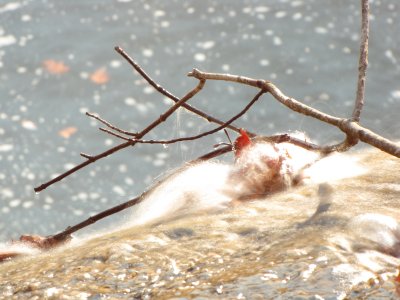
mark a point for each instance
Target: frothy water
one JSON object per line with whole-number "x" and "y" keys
{"x": 216, "y": 185}
{"x": 336, "y": 240}
{"x": 196, "y": 188}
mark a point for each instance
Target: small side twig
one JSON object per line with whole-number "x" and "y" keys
{"x": 168, "y": 94}
{"x": 91, "y": 159}
{"x": 115, "y": 134}
{"x": 109, "y": 125}
{"x": 198, "y": 136}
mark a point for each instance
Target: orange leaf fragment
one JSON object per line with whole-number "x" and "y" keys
{"x": 397, "y": 278}
{"x": 241, "y": 142}
{"x": 67, "y": 132}
{"x": 100, "y": 76}
{"x": 55, "y": 67}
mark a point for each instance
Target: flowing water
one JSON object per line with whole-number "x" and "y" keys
{"x": 318, "y": 241}
{"x": 57, "y": 62}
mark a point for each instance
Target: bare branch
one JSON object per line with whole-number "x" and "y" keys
{"x": 115, "y": 134}
{"x": 71, "y": 229}
{"x": 353, "y": 131}
{"x": 268, "y": 86}
{"x": 91, "y": 159}
{"x": 166, "y": 93}
{"x": 286, "y": 138}
{"x": 87, "y": 156}
{"x": 371, "y": 138}
{"x": 65, "y": 235}
{"x": 203, "y": 134}
{"x": 110, "y": 125}
{"x": 363, "y": 61}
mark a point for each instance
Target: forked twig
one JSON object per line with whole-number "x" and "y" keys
{"x": 109, "y": 125}
{"x": 91, "y": 159}
{"x": 168, "y": 94}
{"x": 352, "y": 129}
{"x": 198, "y": 136}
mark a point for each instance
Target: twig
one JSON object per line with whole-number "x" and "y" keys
{"x": 286, "y": 138}
{"x": 227, "y": 135}
{"x": 353, "y": 130}
{"x": 268, "y": 86}
{"x": 87, "y": 156}
{"x": 64, "y": 235}
{"x": 198, "y": 136}
{"x": 110, "y": 125}
{"x": 213, "y": 154}
{"x": 363, "y": 61}
{"x": 116, "y": 134}
{"x": 279, "y": 138}
{"x": 166, "y": 93}
{"x": 91, "y": 159}
{"x": 71, "y": 229}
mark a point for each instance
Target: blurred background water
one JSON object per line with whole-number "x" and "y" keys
{"x": 57, "y": 62}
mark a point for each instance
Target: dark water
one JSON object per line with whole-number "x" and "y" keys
{"x": 308, "y": 48}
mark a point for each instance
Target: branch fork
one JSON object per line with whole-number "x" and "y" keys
{"x": 353, "y": 131}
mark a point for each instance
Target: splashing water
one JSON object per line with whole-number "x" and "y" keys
{"x": 194, "y": 188}
{"x": 261, "y": 169}
{"x": 339, "y": 242}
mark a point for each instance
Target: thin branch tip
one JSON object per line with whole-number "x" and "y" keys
{"x": 87, "y": 156}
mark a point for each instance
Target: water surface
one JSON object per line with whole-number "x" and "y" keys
{"x": 308, "y": 48}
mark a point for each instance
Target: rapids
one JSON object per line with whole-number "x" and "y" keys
{"x": 335, "y": 237}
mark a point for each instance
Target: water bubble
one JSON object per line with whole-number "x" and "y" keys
{"x": 165, "y": 146}
{"x": 27, "y": 204}
{"x": 200, "y": 57}
{"x": 280, "y": 14}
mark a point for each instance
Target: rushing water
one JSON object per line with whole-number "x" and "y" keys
{"x": 57, "y": 62}
{"x": 316, "y": 241}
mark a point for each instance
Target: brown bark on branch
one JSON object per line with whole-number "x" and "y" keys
{"x": 350, "y": 127}
{"x": 363, "y": 61}
{"x": 198, "y": 136}
{"x": 166, "y": 93}
{"x": 91, "y": 159}
{"x": 272, "y": 89}
{"x": 110, "y": 125}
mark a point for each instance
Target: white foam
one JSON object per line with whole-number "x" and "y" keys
{"x": 334, "y": 167}
{"x": 198, "y": 187}
{"x": 213, "y": 185}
